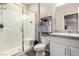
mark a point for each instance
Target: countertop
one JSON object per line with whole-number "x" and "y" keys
{"x": 65, "y": 34}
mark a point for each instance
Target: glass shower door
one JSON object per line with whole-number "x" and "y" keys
{"x": 18, "y": 31}
{"x": 29, "y": 28}
{"x": 11, "y": 34}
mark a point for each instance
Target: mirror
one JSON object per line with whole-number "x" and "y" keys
{"x": 71, "y": 25}
{"x": 67, "y": 18}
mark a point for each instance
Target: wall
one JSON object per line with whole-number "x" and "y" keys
{"x": 62, "y": 10}
{"x": 47, "y": 9}
{"x": 33, "y": 7}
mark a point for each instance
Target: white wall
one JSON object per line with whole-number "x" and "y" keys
{"x": 34, "y": 7}
{"x": 62, "y": 10}
{"x": 47, "y": 9}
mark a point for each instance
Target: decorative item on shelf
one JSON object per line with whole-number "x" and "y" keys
{"x": 45, "y": 24}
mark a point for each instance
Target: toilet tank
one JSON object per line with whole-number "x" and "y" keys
{"x": 45, "y": 40}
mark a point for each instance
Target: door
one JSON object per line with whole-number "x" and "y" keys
{"x": 11, "y": 34}
{"x": 29, "y": 28}
{"x": 74, "y": 51}
{"x": 57, "y": 49}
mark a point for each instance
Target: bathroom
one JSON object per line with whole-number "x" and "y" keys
{"x": 39, "y": 29}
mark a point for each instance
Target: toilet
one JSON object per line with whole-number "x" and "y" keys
{"x": 40, "y": 47}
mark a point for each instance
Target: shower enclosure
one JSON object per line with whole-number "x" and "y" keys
{"x": 18, "y": 28}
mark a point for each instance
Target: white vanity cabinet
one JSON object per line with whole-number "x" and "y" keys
{"x": 58, "y": 49}
{"x": 74, "y": 51}
{"x": 62, "y": 46}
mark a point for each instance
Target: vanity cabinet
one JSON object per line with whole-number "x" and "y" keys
{"x": 58, "y": 49}
{"x": 74, "y": 51}
{"x": 64, "y": 47}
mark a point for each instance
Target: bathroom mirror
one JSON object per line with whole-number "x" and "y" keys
{"x": 71, "y": 25}
{"x": 67, "y": 18}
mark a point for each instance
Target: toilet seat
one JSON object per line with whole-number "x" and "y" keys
{"x": 39, "y": 47}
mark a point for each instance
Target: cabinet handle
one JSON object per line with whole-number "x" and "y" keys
{"x": 70, "y": 52}
{"x": 65, "y": 51}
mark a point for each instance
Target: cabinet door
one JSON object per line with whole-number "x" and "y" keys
{"x": 57, "y": 49}
{"x": 74, "y": 51}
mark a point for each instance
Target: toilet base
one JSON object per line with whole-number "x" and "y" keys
{"x": 40, "y": 53}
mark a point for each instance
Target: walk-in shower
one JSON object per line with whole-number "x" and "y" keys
{"x": 18, "y": 28}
